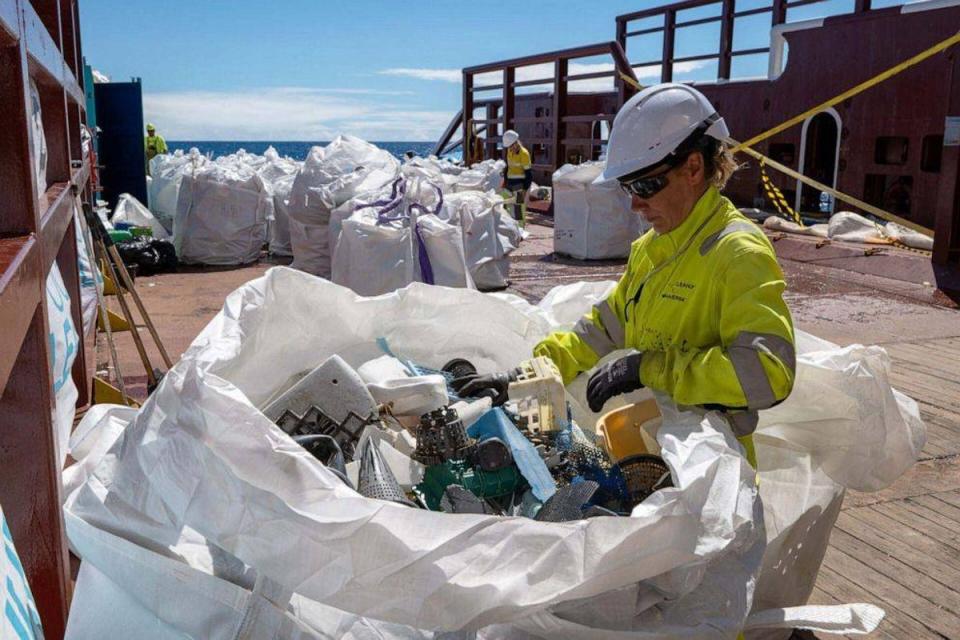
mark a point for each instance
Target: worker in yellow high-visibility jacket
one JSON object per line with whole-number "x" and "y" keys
{"x": 519, "y": 170}
{"x": 154, "y": 144}
{"x": 701, "y": 303}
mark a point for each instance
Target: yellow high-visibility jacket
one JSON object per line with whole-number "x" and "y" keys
{"x": 704, "y": 305}
{"x": 518, "y": 163}
{"x": 154, "y": 145}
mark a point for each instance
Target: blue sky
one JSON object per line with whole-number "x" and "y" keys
{"x": 383, "y": 70}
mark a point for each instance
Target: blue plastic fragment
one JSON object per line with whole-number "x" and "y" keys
{"x": 496, "y": 424}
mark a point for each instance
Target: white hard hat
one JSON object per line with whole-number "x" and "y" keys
{"x": 509, "y": 137}
{"x": 654, "y": 123}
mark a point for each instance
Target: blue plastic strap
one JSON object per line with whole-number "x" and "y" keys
{"x": 496, "y": 424}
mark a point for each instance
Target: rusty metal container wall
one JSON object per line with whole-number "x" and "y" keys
{"x": 39, "y": 42}
{"x": 827, "y": 60}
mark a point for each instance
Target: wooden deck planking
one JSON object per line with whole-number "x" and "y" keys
{"x": 896, "y": 623}
{"x": 900, "y": 548}
{"x": 929, "y": 372}
{"x": 892, "y": 595}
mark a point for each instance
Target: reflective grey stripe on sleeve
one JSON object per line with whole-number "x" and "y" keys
{"x": 594, "y": 336}
{"x": 745, "y": 355}
{"x": 733, "y": 227}
{"x": 743, "y": 423}
{"x": 611, "y": 323}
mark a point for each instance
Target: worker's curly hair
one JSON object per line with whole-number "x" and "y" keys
{"x": 718, "y": 161}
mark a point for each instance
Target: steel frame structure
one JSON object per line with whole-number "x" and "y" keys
{"x": 39, "y": 41}
{"x": 501, "y": 111}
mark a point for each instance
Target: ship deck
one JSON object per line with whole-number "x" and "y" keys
{"x": 899, "y": 548}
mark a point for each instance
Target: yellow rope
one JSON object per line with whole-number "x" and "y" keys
{"x": 863, "y": 86}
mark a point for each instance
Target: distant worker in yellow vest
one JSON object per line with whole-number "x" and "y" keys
{"x": 154, "y": 144}
{"x": 519, "y": 169}
{"x": 700, "y": 309}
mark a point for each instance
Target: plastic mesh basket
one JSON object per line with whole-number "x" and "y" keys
{"x": 644, "y": 474}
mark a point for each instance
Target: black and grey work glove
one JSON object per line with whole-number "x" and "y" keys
{"x": 612, "y": 379}
{"x": 491, "y": 385}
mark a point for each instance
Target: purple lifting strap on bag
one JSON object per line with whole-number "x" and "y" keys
{"x": 397, "y": 193}
{"x": 426, "y": 269}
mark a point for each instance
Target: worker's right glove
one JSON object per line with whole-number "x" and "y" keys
{"x": 612, "y": 379}
{"x": 491, "y": 385}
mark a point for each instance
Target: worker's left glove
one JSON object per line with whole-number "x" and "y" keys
{"x": 613, "y": 379}
{"x": 491, "y": 385}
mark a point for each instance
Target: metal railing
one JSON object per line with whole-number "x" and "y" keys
{"x": 501, "y": 109}
{"x": 672, "y": 20}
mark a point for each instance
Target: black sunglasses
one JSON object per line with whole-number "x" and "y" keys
{"x": 647, "y": 187}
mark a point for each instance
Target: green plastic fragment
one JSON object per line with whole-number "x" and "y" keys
{"x": 483, "y": 484}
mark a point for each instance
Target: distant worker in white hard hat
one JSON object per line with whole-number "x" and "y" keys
{"x": 700, "y": 306}
{"x": 154, "y": 144}
{"x": 519, "y": 169}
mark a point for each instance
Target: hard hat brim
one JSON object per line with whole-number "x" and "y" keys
{"x": 717, "y": 129}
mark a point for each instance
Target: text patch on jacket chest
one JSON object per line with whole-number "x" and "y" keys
{"x": 678, "y": 291}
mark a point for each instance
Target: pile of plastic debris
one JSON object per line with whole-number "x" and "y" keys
{"x": 393, "y": 430}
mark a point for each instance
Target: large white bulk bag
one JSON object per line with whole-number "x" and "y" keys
{"x": 372, "y": 257}
{"x": 280, "y": 243}
{"x": 489, "y": 235}
{"x": 592, "y": 222}
{"x": 221, "y": 216}
{"x": 483, "y": 176}
{"x": 201, "y": 499}
{"x": 166, "y": 175}
{"x": 21, "y": 620}
{"x": 278, "y": 175}
{"x": 38, "y": 140}
{"x": 443, "y": 244}
{"x": 853, "y": 227}
{"x": 331, "y": 175}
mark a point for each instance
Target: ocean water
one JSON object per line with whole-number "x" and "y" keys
{"x": 295, "y": 150}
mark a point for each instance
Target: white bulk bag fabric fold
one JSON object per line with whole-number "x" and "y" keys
{"x": 132, "y": 211}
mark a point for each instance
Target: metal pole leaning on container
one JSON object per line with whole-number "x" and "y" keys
{"x": 128, "y": 285}
{"x": 102, "y": 305}
{"x": 103, "y": 240}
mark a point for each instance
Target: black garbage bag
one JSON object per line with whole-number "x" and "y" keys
{"x": 148, "y": 256}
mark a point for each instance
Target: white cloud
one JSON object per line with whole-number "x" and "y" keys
{"x": 288, "y": 113}
{"x": 544, "y": 72}
{"x": 446, "y": 75}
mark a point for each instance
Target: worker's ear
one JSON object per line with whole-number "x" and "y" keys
{"x": 693, "y": 168}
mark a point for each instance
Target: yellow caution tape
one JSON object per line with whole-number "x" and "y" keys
{"x": 863, "y": 86}
{"x": 776, "y": 196}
